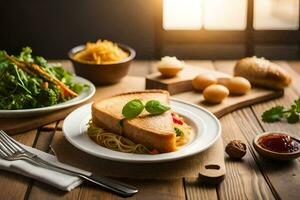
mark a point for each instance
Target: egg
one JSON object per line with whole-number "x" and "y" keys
{"x": 170, "y": 66}
{"x": 238, "y": 85}
{"x": 201, "y": 81}
{"x": 215, "y": 93}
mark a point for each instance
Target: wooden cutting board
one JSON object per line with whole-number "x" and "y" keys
{"x": 181, "y": 87}
{"x": 183, "y": 81}
{"x": 208, "y": 165}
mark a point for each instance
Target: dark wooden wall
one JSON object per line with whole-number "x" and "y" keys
{"x": 53, "y": 27}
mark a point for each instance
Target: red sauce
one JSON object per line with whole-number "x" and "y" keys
{"x": 176, "y": 120}
{"x": 280, "y": 143}
{"x": 154, "y": 152}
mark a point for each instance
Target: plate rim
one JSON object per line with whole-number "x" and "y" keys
{"x": 158, "y": 160}
{"x": 57, "y": 106}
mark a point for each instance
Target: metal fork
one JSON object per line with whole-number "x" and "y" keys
{"x": 11, "y": 150}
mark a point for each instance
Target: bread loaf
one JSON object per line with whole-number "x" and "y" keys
{"x": 262, "y": 72}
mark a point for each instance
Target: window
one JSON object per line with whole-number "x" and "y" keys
{"x": 276, "y": 14}
{"x": 225, "y": 14}
{"x": 182, "y": 14}
{"x": 210, "y": 14}
{"x": 230, "y": 14}
{"x": 257, "y": 27}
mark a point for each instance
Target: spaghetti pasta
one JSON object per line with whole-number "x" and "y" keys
{"x": 119, "y": 143}
{"x": 113, "y": 141}
{"x": 182, "y": 129}
{"x": 101, "y": 52}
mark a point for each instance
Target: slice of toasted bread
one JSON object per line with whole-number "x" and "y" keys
{"x": 154, "y": 131}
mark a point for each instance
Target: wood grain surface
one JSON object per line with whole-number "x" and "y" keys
{"x": 251, "y": 178}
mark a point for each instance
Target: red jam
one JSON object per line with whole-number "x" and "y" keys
{"x": 280, "y": 143}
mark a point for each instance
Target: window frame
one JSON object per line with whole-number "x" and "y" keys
{"x": 248, "y": 37}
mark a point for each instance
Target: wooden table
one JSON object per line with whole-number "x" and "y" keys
{"x": 251, "y": 178}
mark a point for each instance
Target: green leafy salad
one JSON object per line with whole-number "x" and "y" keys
{"x": 28, "y": 81}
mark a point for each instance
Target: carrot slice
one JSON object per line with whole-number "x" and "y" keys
{"x": 66, "y": 89}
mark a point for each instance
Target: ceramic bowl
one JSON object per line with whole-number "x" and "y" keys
{"x": 272, "y": 154}
{"x": 102, "y": 74}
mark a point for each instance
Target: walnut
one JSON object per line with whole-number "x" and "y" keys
{"x": 236, "y": 149}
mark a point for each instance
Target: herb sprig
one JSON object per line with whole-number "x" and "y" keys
{"x": 135, "y": 107}
{"x": 278, "y": 112}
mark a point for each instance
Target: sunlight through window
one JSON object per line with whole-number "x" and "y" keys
{"x": 276, "y": 14}
{"x": 182, "y": 14}
{"x": 225, "y": 14}
{"x": 230, "y": 14}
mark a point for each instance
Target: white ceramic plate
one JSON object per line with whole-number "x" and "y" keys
{"x": 83, "y": 96}
{"x": 205, "y": 125}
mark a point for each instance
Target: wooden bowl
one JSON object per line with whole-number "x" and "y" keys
{"x": 272, "y": 154}
{"x": 102, "y": 74}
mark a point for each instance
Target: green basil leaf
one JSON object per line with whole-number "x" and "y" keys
{"x": 155, "y": 107}
{"x": 132, "y": 109}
